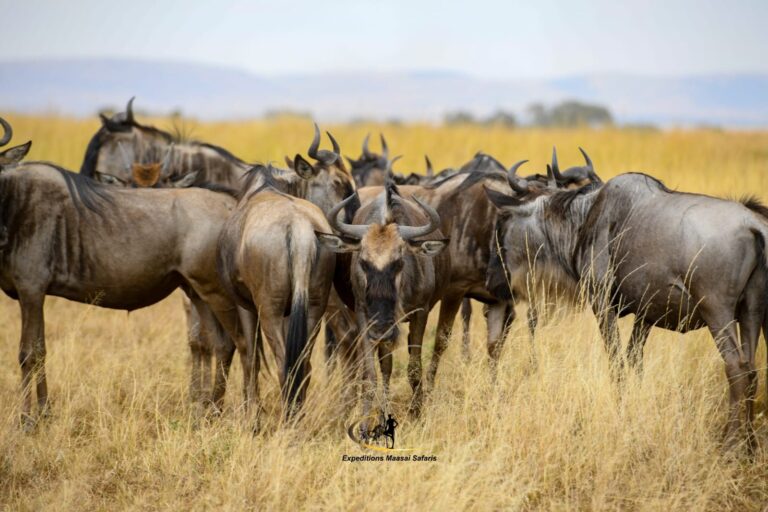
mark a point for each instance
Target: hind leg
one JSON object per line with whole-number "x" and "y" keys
{"x": 449, "y": 306}
{"x": 466, "y": 318}
{"x": 498, "y": 319}
{"x": 750, "y": 317}
{"x": 636, "y": 344}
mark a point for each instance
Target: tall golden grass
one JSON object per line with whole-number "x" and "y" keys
{"x": 551, "y": 437}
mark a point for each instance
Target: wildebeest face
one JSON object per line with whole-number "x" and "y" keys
{"x": 327, "y": 184}
{"x": 381, "y": 256}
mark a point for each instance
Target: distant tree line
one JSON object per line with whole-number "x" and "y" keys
{"x": 565, "y": 114}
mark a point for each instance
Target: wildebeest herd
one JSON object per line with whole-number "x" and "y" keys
{"x": 264, "y": 253}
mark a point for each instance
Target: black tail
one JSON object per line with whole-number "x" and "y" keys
{"x": 296, "y": 342}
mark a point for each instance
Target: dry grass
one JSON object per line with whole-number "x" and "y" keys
{"x": 550, "y": 437}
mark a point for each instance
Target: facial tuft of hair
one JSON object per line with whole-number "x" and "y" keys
{"x": 146, "y": 175}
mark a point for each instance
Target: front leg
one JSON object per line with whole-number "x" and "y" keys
{"x": 415, "y": 338}
{"x": 32, "y": 356}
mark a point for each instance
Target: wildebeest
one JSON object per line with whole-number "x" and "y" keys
{"x": 270, "y": 259}
{"x": 66, "y": 235}
{"x": 121, "y": 138}
{"x": 397, "y": 272}
{"x": 675, "y": 260}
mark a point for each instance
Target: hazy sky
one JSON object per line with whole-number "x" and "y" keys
{"x": 502, "y": 38}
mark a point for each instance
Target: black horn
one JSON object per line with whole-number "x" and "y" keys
{"x": 590, "y": 167}
{"x": 366, "y": 151}
{"x": 430, "y": 169}
{"x": 8, "y": 132}
{"x": 129, "y": 110}
{"x": 336, "y": 148}
{"x": 516, "y": 183}
{"x": 312, "y": 152}
{"x": 384, "y": 148}
{"x": 555, "y": 167}
{"x": 411, "y": 232}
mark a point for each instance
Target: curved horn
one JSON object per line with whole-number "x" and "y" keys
{"x": 336, "y": 148}
{"x": 167, "y": 159}
{"x": 551, "y": 181}
{"x": 430, "y": 169}
{"x": 411, "y": 232}
{"x": 384, "y": 148}
{"x": 366, "y": 151}
{"x": 8, "y": 132}
{"x": 315, "y": 144}
{"x": 353, "y": 230}
{"x": 390, "y": 163}
{"x": 129, "y": 110}
{"x": 513, "y": 180}
{"x": 127, "y": 160}
{"x": 556, "y": 168}
{"x": 586, "y": 158}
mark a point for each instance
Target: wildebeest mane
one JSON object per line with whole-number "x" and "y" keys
{"x": 754, "y": 204}
{"x": 560, "y": 202}
{"x": 84, "y": 190}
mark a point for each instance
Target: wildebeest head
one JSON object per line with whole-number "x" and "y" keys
{"x": 124, "y": 153}
{"x": 328, "y": 181}
{"x": 142, "y": 175}
{"x": 15, "y": 154}
{"x": 577, "y": 176}
{"x": 371, "y": 169}
{"x": 384, "y": 255}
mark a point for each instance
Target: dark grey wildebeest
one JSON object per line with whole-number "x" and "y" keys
{"x": 121, "y": 138}
{"x": 271, "y": 261}
{"x": 67, "y": 235}
{"x": 397, "y": 273}
{"x": 675, "y": 260}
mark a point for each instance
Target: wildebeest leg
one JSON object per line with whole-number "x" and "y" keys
{"x": 32, "y": 356}
{"x": 726, "y": 338}
{"x": 609, "y": 329}
{"x": 750, "y": 316}
{"x": 466, "y": 318}
{"x": 449, "y": 306}
{"x": 369, "y": 380}
{"x": 331, "y": 342}
{"x": 533, "y": 320}
{"x": 497, "y": 317}
{"x": 252, "y": 359}
{"x": 640, "y": 332}
{"x": 200, "y": 327}
{"x": 385, "y": 361}
{"x": 415, "y": 338}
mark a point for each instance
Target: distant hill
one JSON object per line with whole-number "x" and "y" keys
{"x": 82, "y": 87}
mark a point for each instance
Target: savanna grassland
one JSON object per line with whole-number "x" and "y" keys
{"x": 550, "y": 436}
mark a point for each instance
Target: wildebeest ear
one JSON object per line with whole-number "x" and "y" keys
{"x": 289, "y": 162}
{"x": 303, "y": 168}
{"x": 14, "y": 155}
{"x": 187, "y": 180}
{"x": 113, "y": 126}
{"x": 501, "y": 200}
{"x": 108, "y": 179}
{"x": 336, "y": 243}
{"x": 428, "y": 247}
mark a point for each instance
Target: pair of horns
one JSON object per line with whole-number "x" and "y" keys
{"x": 406, "y": 232}
{"x": 384, "y": 148}
{"x": 557, "y": 176}
{"x": 323, "y": 155}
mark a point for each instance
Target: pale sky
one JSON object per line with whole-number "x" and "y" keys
{"x": 485, "y": 38}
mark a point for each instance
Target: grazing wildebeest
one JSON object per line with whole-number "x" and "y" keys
{"x": 66, "y": 235}
{"x": 271, "y": 261}
{"x": 397, "y": 273}
{"x": 675, "y": 260}
{"x": 122, "y": 138}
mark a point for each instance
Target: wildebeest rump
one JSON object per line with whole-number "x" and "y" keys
{"x": 270, "y": 259}
{"x": 675, "y": 260}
